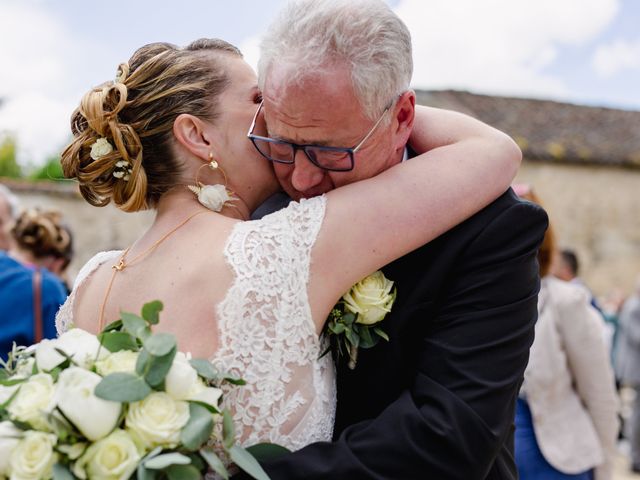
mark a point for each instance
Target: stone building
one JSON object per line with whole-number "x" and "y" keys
{"x": 584, "y": 163}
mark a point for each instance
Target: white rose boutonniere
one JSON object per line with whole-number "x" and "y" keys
{"x": 352, "y": 323}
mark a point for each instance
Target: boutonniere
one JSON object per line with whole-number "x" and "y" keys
{"x": 353, "y": 322}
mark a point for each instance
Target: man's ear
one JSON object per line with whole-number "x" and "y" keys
{"x": 191, "y": 134}
{"x": 404, "y": 113}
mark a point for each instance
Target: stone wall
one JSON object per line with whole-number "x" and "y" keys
{"x": 95, "y": 229}
{"x": 594, "y": 210}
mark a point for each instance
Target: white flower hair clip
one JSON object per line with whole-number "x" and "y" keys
{"x": 123, "y": 170}
{"x": 100, "y": 148}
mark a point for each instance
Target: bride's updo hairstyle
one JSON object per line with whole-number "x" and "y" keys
{"x": 123, "y": 130}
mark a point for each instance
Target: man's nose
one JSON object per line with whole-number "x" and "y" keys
{"x": 305, "y": 174}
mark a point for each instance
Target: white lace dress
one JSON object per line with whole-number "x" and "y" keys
{"x": 267, "y": 335}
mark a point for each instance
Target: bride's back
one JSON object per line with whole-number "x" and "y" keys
{"x": 187, "y": 272}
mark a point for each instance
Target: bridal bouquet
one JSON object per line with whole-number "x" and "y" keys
{"x": 120, "y": 405}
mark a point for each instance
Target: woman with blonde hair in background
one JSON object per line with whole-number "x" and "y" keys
{"x": 566, "y": 416}
{"x": 31, "y": 293}
{"x": 170, "y": 133}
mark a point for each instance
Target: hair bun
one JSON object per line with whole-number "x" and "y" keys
{"x": 42, "y": 233}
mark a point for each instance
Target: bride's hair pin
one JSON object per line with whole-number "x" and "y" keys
{"x": 214, "y": 197}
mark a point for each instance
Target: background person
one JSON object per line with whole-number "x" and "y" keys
{"x": 30, "y": 292}
{"x": 566, "y": 417}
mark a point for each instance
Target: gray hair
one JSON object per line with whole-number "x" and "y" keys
{"x": 366, "y": 34}
{"x": 12, "y": 200}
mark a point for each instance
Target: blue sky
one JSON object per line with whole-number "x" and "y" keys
{"x": 581, "y": 51}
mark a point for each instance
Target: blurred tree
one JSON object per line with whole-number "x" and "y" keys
{"x": 51, "y": 170}
{"x": 8, "y": 163}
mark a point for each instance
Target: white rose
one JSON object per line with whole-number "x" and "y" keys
{"x": 33, "y": 457}
{"x": 213, "y": 196}
{"x": 33, "y": 401}
{"x": 100, "y": 148}
{"x": 47, "y": 358}
{"x": 9, "y": 438}
{"x": 82, "y": 346}
{"x": 201, "y": 393}
{"x": 182, "y": 383}
{"x": 182, "y": 377}
{"x": 121, "y": 361}
{"x": 114, "y": 457}
{"x": 371, "y": 298}
{"x": 93, "y": 416}
{"x": 157, "y": 420}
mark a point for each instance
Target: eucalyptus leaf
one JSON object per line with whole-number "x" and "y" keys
{"x": 160, "y": 344}
{"x": 143, "y": 362}
{"x": 198, "y": 429}
{"x": 348, "y": 318}
{"x": 161, "y": 462}
{"x": 366, "y": 339}
{"x": 267, "y": 451}
{"x": 143, "y": 473}
{"x": 158, "y": 367}
{"x": 183, "y": 472}
{"x": 381, "y": 333}
{"x": 245, "y": 461}
{"x": 113, "y": 326}
{"x": 213, "y": 460}
{"x": 135, "y": 325}
{"x": 117, "y": 341}
{"x": 337, "y": 328}
{"x": 353, "y": 338}
{"x": 61, "y": 472}
{"x": 122, "y": 387}
{"x": 210, "y": 408}
{"x": 228, "y": 430}
{"x": 151, "y": 311}
{"x": 204, "y": 369}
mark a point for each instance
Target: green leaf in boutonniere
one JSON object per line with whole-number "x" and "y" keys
{"x": 354, "y": 321}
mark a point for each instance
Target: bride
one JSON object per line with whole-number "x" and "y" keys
{"x": 170, "y": 133}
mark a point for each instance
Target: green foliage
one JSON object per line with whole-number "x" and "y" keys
{"x": 9, "y": 166}
{"x": 246, "y": 462}
{"x": 198, "y": 429}
{"x": 51, "y": 170}
{"x": 122, "y": 387}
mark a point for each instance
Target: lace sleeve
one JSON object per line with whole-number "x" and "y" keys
{"x": 64, "y": 317}
{"x": 267, "y": 334}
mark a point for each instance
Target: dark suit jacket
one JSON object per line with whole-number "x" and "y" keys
{"x": 437, "y": 401}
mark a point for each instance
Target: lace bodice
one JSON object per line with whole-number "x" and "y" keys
{"x": 266, "y": 333}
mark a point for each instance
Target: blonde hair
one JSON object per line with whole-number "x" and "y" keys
{"x": 135, "y": 114}
{"x": 42, "y": 233}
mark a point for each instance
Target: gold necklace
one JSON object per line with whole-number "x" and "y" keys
{"x": 122, "y": 263}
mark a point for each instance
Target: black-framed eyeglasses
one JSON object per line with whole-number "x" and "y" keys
{"x": 334, "y": 159}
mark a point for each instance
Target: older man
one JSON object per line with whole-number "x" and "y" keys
{"x": 8, "y": 212}
{"x": 436, "y": 401}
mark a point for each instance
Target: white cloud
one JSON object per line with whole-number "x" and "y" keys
{"x": 34, "y": 80}
{"x": 250, "y": 49}
{"x": 615, "y": 57}
{"x": 499, "y": 46}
